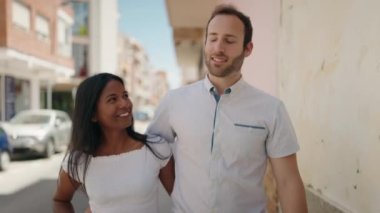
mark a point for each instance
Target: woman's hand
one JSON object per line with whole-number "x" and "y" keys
{"x": 88, "y": 210}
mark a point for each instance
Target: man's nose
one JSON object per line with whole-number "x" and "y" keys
{"x": 219, "y": 46}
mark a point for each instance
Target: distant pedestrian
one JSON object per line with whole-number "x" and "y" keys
{"x": 118, "y": 168}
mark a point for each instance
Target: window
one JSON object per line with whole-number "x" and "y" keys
{"x": 62, "y": 118}
{"x": 42, "y": 28}
{"x": 61, "y": 31}
{"x": 64, "y": 37}
{"x": 81, "y": 11}
{"x": 20, "y": 15}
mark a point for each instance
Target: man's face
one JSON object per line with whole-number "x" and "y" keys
{"x": 224, "y": 52}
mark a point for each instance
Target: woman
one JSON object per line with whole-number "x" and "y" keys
{"x": 118, "y": 168}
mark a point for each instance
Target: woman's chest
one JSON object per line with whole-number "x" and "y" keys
{"x": 128, "y": 177}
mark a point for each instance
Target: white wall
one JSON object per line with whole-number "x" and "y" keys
{"x": 329, "y": 77}
{"x": 103, "y": 36}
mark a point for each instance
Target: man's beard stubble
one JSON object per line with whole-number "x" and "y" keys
{"x": 235, "y": 66}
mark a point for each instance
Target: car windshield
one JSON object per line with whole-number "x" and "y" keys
{"x": 30, "y": 119}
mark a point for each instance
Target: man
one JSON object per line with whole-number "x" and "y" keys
{"x": 224, "y": 130}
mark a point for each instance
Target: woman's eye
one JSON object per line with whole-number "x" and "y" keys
{"x": 111, "y": 100}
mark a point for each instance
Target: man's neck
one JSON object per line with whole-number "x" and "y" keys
{"x": 223, "y": 83}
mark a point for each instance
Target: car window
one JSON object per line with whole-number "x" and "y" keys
{"x": 30, "y": 119}
{"x": 62, "y": 118}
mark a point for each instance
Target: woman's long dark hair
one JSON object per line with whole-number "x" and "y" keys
{"x": 86, "y": 134}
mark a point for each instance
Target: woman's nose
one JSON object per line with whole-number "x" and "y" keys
{"x": 125, "y": 102}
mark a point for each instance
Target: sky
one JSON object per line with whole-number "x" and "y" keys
{"x": 147, "y": 22}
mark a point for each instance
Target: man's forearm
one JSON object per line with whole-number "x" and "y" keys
{"x": 292, "y": 197}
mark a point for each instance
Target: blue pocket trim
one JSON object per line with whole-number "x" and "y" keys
{"x": 250, "y": 126}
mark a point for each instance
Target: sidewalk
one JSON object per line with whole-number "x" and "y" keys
{"x": 316, "y": 204}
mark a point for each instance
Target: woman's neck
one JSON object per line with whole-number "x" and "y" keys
{"x": 114, "y": 143}
{"x": 111, "y": 138}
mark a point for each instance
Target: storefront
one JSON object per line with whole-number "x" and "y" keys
{"x": 16, "y": 95}
{"x": 27, "y": 82}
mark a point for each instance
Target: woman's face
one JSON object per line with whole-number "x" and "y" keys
{"x": 114, "y": 108}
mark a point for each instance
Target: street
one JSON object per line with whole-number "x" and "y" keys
{"x": 29, "y": 184}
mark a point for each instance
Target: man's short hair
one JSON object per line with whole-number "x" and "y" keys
{"x": 231, "y": 10}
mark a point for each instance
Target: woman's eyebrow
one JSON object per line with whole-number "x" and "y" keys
{"x": 110, "y": 95}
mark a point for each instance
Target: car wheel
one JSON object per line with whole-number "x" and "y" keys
{"x": 49, "y": 149}
{"x": 5, "y": 160}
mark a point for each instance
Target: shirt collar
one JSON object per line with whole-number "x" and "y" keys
{"x": 234, "y": 88}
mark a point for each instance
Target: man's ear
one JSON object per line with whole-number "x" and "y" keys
{"x": 248, "y": 49}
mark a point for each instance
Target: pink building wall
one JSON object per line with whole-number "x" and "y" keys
{"x": 260, "y": 68}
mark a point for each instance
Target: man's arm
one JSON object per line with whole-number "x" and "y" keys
{"x": 64, "y": 193}
{"x": 160, "y": 125}
{"x": 289, "y": 184}
{"x": 167, "y": 176}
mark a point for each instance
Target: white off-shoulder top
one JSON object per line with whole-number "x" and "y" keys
{"x": 126, "y": 182}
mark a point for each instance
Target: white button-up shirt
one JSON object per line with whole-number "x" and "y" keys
{"x": 221, "y": 145}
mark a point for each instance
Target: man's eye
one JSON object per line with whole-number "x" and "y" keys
{"x": 213, "y": 39}
{"x": 230, "y": 41}
{"x": 126, "y": 95}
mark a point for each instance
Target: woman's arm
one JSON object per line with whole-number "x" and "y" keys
{"x": 66, "y": 188}
{"x": 167, "y": 176}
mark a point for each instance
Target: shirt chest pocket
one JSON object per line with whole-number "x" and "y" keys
{"x": 246, "y": 141}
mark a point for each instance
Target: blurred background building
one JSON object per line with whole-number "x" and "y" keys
{"x": 94, "y": 45}
{"x": 35, "y": 53}
{"x": 98, "y": 46}
{"x": 48, "y": 47}
{"x": 144, "y": 84}
{"x": 159, "y": 87}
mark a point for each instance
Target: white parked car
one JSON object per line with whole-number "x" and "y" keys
{"x": 42, "y": 132}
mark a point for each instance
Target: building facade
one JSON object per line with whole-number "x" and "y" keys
{"x": 94, "y": 46}
{"x": 145, "y": 85}
{"x": 35, "y": 53}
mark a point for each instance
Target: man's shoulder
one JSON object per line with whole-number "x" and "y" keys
{"x": 186, "y": 89}
{"x": 259, "y": 95}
